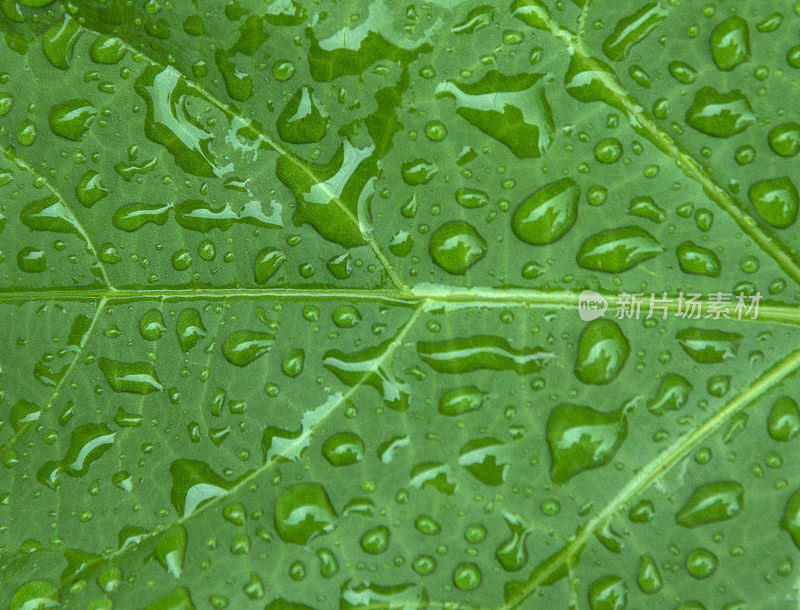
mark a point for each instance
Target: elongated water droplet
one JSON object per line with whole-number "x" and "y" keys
{"x": 245, "y": 346}
{"x": 708, "y": 346}
{"x": 189, "y": 328}
{"x": 131, "y": 377}
{"x": 512, "y": 553}
{"x": 783, "y": 423}
{"x": 712, "y": 503}
{"x": 617, "y": 250}
{"x": 170, "y": 550}
{"x": 649, "y": 577}
{"x": 480, "y": 352}
{"x": 461, "y": 400}
{"x": 548, "y": 213}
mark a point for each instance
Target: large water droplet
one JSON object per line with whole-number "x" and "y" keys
{"x": 71, "y": 119}
{"x": 712, "y": 503}
{"x": 303, "y": 512}
{"x": 456, "y": 246}
{"x": 131, "y": 377}
{"x": 709, "y": 346}
{"x": 581, "y": 438}
{"x": 480, "y": 352}
{"x": 730, "y": 43}
{"x": 698, "y": 260}
{"x": 602, "y": 352}
{"x": 548, "y": 213}
{"x": 245, "y": 346}
{"x": 721, "y": 115}
{"x": 617, "y": 250}
{"x": 777, "y": 200}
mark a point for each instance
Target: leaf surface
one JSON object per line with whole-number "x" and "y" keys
{"x": 292, "y": 297}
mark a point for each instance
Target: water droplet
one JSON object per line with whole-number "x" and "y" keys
{"x": 682, "y": 72}
{"x": 303, "y": 512}
{"x": 512, "y": 554}
{"x": 548, "y": 213}
{"x": 90, "y": 189}
{"x": 602, "y": 352}
{"x": 59, "y": 41}
{"x": 608, "y": 593}
{"x": 461, "y": 400}
{"x": 721, "y": 115}
{"x": 170, "y": 550}
{"x": 776, "y": 200}
{"x": 646, "y": 207}
{"x": 436, "y": 131}
{"x": 581, "y": 438}
{"x": 632, "y": 29}
{"x": 701, "y": 563}
{"x": 131, "y": 377}
{"x": 376, "y": 540}
{"x": 132, "y": 216}
{"x": 107, "y": 50}
{"x": 730, "y": 43}
{"x": 346, "y": 316}
{"x": 303, "y": 119}
{"x": 243, "y": 347}
{"x": 364, "y": 368}
{"x": 709, "y": 346}
{"x": 151, "y": 325}
{"x": 26, "y": 134}
{"x": 87, "y": 444}
{"x": 783, "y": 423}
{"x": 471, "y": 198}
{"x": 649, "y": 577}
{"x": 71, "y": 119}
{"x": 418, "y": 171}
{"x": 467, "y": 576}
{"x": 512, "y": 109}
{"x": 483, "y": 459}
{"x": 617, "y": 250}
{"x": 35, "y": 594}
{"x": 476, "y": 19}
{"x": 343, "y": 449}
{"x": 784, "y": 140}
{"x": 480, "y": 352}
{"x": 194, "y": 484}
{"x": 712, "y": 503}
{"x": 31, "y": 260}
{"x": 673, "y": 393}
{"x": 189, "y": 328}
{"x": 698, "y": 260}
{"x": 293, "y": 364}
{"x": 456, "y": 246}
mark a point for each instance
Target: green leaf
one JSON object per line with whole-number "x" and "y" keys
{"x": 332, "y": 305}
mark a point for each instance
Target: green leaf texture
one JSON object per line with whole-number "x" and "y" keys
{"x": 290, "y": 302}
